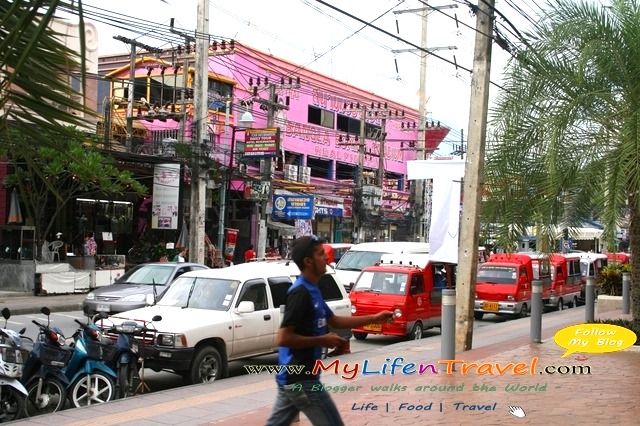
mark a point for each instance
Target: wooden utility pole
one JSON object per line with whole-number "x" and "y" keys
{"x": 201, "y": 116}
{"x": 473, "y": 177}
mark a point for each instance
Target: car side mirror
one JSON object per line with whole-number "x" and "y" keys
{"x": 245, "y": 307}
{"x": 333, "y": 265}
{"x": 351, "y": 285}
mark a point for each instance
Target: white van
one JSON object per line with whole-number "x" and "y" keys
{"x": 368, "y": 254}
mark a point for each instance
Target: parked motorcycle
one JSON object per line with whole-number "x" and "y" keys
{"x": 43, "y": 376}
{"x": 92, "y": 381}
{"x": 124, "y": 359}
{"x": 12, "y": 392}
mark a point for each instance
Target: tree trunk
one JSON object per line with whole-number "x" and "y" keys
{"x": 634, "y": 244}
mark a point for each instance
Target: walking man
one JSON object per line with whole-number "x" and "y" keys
{"x": 302, "y": 337}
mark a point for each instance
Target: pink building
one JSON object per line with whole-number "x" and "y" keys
{"x": 319, "y": 149}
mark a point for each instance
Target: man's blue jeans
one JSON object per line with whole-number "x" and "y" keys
{"x": 305, "y": 396}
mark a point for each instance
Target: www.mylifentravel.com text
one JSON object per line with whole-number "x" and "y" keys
{"x": 425, "y": 406}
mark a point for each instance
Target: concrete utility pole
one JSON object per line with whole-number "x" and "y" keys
{"x": 201, "y": 115}
{"x": 419, "y": 206}
{"x": 418, "y": 188}
{"x": 473, "y": 177}
{"x": 272, "y": 107}
{"x": 360, "y": 184}
{"x": 132, "y": 80}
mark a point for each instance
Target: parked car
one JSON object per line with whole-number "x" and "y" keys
{"x": 131, "y": 289}
{"x": 210, "y": 318}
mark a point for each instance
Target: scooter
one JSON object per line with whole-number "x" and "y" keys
{"x": 12, "y": 392}
{"x": 92, "y": 381}
{"x": 42, "y": 376}
{"x": 124, "y": 359}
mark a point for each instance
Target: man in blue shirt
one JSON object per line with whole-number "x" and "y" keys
{"x": 302, "y": 336}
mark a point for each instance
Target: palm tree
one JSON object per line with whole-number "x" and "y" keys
{"x": 35, "y": 70}
{"x": 567, "y": 127}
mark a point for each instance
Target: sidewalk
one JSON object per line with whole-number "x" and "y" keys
{"x": 26, "y": 303}
{"x": 609, "y": 395}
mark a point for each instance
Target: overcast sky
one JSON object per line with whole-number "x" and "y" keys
{"x": 311, "y": 34}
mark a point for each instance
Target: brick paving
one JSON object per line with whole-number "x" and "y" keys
{"x": 610, "y": 395}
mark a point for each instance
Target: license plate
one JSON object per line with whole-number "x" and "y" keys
{"x": 373, "y": 327}
{"x": 134, "y": 347}
{"x": 491, "y": 306}
{"x": 103, "y": 308}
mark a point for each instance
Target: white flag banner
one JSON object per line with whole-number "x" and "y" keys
{"x": 445, "y": 205}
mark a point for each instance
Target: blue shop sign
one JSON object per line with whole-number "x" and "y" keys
{"x": 328, "y": 211}
{"x": 292, "y": 207}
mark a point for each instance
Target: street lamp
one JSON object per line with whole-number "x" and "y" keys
{"x": 246, "y": 122}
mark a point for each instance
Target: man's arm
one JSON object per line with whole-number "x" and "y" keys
{"x": 342, "y": 322}
{"x": 289, "y": 338}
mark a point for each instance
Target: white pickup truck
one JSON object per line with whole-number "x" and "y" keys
{"x": 211, "y": 317}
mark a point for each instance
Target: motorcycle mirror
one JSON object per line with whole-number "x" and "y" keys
{"x": 103, "y": 315}
{"x": 6, "y": 313}
{"x": 156, "y": 318}
{"x": 45, "y": 311}
{"x": 22, "y": 331}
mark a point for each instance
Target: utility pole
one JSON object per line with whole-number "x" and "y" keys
{"x": 360, "y": 185}
{"x": 419, "y": 205}
{"x": 273, "y": 106}
{"x": 132, "y": 79}
{"x": 473, "y": 177}
{"x": 421, "y": 213}
{"x": 201, "y": 115}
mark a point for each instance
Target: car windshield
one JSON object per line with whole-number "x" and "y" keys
{"x": 497, "y": 274}
{"x": 357, "y": 260}
{"x": 147, "y": 275}
{"x": 382, "y": 282}
{"x": 200, "y": 293}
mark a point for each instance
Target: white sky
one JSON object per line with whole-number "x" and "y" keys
{"x": 301, "y": 30}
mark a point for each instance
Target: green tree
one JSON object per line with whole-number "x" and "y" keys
{"x": 36, "y": 69}
{"x": 567, "y": 127}
{"x": 47, "y": 176}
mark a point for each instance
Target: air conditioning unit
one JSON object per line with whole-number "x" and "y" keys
{"x": 305, "y": 175}
{"x": 291, "y": 172}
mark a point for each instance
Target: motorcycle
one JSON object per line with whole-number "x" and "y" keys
{"x": 42, "y": 375}
{"x": 124, "y": 359}
{"x": 12, "y": 392}
{"x": 92, "y": 381}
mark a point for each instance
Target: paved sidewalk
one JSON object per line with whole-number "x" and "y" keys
{"x": 609, "y": 395}
{"x": 26, "y": 303}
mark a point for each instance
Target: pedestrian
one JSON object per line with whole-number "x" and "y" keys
{"x": 302, "y": 336}
{"x": 249, "y": 254}
{"x": 180, "y": 256}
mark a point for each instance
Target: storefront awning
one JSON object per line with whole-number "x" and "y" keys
{"x": 284, "y": 229}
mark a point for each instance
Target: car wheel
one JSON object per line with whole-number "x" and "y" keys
{"x": 575, "y": 302}
{"x": 416, "y": 332}
{"x": 524, "y": 311}
{"x": 205, "y": 367}
{"x": 478, "y": 315}
{"x": 360, "y": 336}
{"x": 560, "y": 304}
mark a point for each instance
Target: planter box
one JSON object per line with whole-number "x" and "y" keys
{"x": 608, "y": 303}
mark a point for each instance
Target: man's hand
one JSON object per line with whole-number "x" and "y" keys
{"x": 332, "y": 340}
{"x": 383, "y": 317}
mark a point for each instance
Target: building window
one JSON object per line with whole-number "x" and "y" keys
{"x": 320, "y": 117}
{"x": 352, "y": 126}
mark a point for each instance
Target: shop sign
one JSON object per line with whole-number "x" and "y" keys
{"x": 166, "y": 191}
{"x": 257, "y": 190}
{"x": 261, "y": 143}
{"x": 292, "y": 207}
{"x": 328, "y": 211}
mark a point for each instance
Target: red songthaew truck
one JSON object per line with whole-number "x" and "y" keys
{"x": 410, "y": 286}
{"x": 503, "y": 284}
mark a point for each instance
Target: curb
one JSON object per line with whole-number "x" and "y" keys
{"x": 27, "y": 310}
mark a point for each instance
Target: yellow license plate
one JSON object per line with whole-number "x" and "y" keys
{"x": 491, "y": 306}
{"x": 373, "y": 327}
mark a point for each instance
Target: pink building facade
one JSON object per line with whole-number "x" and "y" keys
{"x": 320, "y": 150}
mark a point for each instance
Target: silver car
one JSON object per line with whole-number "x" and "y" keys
{"x": 130, "y": 290}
